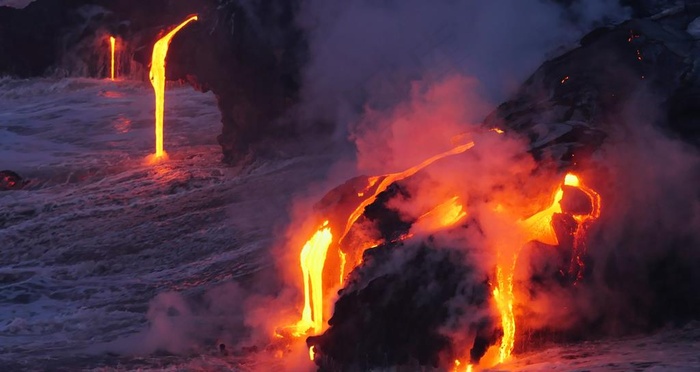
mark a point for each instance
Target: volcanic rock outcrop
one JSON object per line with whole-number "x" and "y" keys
{"x": 644, "y": 70}
{"x": 572, "y": 102}
{"x": 396, "y": 309}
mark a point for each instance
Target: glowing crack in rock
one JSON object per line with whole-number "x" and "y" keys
{"x": 157, "y": 76}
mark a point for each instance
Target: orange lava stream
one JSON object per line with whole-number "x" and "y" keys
{"x": 393, "y": 177}
{"x": 538, "y": 227}
{"x": 157, "y": 76}
{"x": 343, "y": 261}
{"x": 444, "y": 215}
{"x": 313, "y": 258}
{"x": 112, "y": 43}
{"x": 313, "y": 254}
{"x": 468, "y": 368}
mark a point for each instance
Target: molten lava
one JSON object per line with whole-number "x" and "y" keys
{"x": 343, "y": 261}
{"x": 538, "y": 227}
{"x": 394, "y": 177}
{"x": 157, "y": 76}
{"x": 444, "y": 215}
{"x": 313, "y": 254}
{"x": 458, "y": 364}
{"x": 112, "y": 44}
{"x": 313, "y": 258}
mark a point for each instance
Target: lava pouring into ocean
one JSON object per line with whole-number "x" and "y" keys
{"x": 313, "y": 254}
{"x": 538, "y": 227}
{"x": 112, "y": 48}
{"x": 157, "y": 76}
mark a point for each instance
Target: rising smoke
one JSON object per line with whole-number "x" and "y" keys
{"x": 366, "y": 56}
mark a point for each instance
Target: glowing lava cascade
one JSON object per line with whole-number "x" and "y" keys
{"x": 539, "y": 228}
{"x": 313, "y": 254}
{"x": 157, "y": 76}
{"x": 313, "y": 258}
{"x": 112, "y": 45}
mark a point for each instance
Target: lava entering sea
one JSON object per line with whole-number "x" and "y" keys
{"x": 341, "y": 243}
{"x": 157, "y": 76}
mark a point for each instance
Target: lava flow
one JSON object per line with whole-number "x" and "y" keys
{"x": 393, "y": 177}
{"x": 313, "y": 254}
{"x": 539, "y": 228}
{"x": 112, "y": 44}
{"x": 444, "y": 215}
{"x": 157, "y": 76}
{"x": 313, "y": 258}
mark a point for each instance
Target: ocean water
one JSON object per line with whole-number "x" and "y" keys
{"x": 98, "y": 233}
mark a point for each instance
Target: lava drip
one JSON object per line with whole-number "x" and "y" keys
{"x": 157, "y": 76}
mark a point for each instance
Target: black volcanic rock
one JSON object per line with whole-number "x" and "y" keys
{"x": 250, "y": 56}
{"x": 396, "y": 306}
{"x": 568, "y": 109}
{"x": 571, "y": 103}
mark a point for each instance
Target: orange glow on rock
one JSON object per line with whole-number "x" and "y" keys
{"x": 157, "y": 76}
